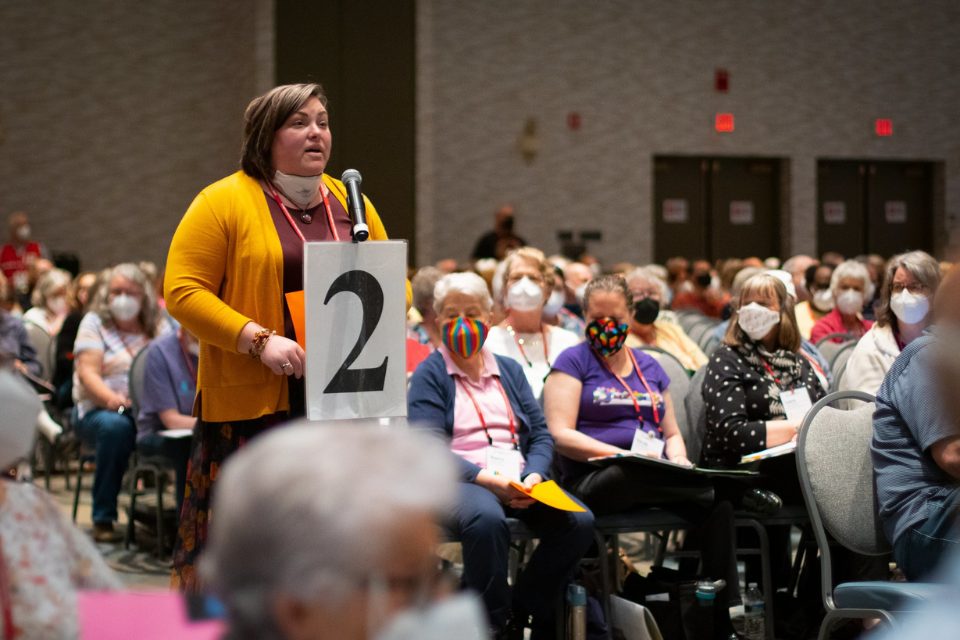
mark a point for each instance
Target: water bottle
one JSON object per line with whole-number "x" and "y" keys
{"x": 706, "y": 596}
{"x": 754, "y": 627}
{"x": 577, "y": 607}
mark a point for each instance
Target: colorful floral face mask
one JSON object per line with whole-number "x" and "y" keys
{"x": 464, "y": 336}
{"x": 606, "y": 335}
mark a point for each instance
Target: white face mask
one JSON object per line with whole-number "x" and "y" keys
{"x": 124, "y": 308}
{"x": 823, "y": 300}
{"x": 757, "y": 321}
{"x": 301, "y": 190}
{"x": 458, "y": 616}
{"x": 58, "y": 306}
{"x": 525, "y": 295}
{"x": 21, "y": 406}
{"x": 579, "y": 292}
{"x": 850, "y": 301}
{"x": 554, "y": 304}
{"x": 23, "y": 233}
{"x": 909, "y": 308}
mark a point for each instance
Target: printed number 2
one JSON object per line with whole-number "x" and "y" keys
{"x": 364, "y": 286}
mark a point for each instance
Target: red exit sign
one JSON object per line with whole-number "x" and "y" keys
{"x": 883, "y": 127}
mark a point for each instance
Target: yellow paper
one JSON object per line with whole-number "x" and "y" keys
{"x": 298, "y": 316}
{"x": 550, "y": 494}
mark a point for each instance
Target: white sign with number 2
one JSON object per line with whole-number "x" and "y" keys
{"x": 355, "y": 308}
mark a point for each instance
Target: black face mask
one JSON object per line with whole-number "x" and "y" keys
{"x": 646, "y": 311}
{"x": 703, "y": 280}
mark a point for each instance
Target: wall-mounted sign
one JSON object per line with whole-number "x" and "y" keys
{"x": 741, "y": 212}
{"x": 835, "y": 212}
{"x": 895, "y": 211}
{"x": 675, "y": 211}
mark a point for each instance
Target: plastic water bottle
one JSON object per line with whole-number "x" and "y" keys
{"x": 753, "y": 614}
{"x": 577, "y": 606}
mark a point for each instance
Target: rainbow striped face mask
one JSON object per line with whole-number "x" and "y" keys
{"x": 464, "y": 336}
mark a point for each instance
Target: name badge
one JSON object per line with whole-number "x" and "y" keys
{"x": 647, "y": 444}
{"x": 505, "y": 462}
{"x": 796, "y": 403}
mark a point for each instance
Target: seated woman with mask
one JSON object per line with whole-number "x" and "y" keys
{"x": 906, "y": 298}
{"x": 649, "y": 327}
{"x": 523, "y": 335}
{"x": 481, "y": 405}
{"x": 851, "y": 286}
{"x": 603, "y": 400}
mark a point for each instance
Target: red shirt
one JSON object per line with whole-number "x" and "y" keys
{"x": 696, "y": 301}
{"x": 833, "y": 323}
{"x": 14, "y": 260}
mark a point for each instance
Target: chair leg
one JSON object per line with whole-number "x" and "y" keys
{"x": 78, "y": 488}
{"x": 605, "y": 585}
{"x": 158, "y": 483}
{"x": 765, "y": 573}
{"x": 132, "y": 509}
{"x": 664, "y": 540}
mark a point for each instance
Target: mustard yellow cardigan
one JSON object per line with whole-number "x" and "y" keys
{"x": 225, "y": 269}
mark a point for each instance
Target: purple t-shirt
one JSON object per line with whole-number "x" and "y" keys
{"x": 170, "y": 382}
{"x": 606, "y": 411}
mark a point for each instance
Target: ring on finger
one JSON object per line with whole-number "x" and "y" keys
{"x": 285, "y": 365}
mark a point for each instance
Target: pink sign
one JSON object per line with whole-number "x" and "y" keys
{"x": 145, "y": 615}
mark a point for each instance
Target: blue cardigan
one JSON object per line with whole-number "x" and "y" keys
{"x": 430, "y": 404}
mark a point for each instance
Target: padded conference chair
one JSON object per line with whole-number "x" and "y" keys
{"x": 836, "y": 476}
{"x": 41, "y": 340}
{"x": 679, "y": 382}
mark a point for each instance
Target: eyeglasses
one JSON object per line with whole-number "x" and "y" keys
{"x": 915, "y": 288}
{"x": 536, "y": 278}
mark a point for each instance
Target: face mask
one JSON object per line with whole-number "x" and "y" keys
{"x": 757, "y": 321}
{"x": 124, "y": 308}
{"x": 646, "y": 311}
{"x": 464, "y": 336}
{"x": 23, "y": 233}
{"x": 58, "y": 306}
{"x": 21, "y": 406}
{"x": 850, "y": 301}
{"x": 606, "y": 335}
{"x": 822, "y": 300}
{"x": 579, "y": 292}
{"x": 704, "y": 280}
{"x": 554, "y": 304}
{"x": 300, "y": 189}
{"x": 524, "y": 295}
{"x": 909, "y": 308}
{"x": 458, "y": 616}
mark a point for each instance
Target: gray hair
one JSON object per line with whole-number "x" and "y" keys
{"x": 466, "y": 283}
{"x": 149, "y": 308}
{"x": 852, "y": 269}
{"x": 50, "y": 281}
{"x": 647, "y": 274}
{"x": 423, "y": 282}
{"x": 294, "y": 516}
{"x": 919, "y": 264}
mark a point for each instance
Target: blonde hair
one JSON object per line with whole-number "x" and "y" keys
{"x": 50, "y": 281}
{"x": 263, "y": 118}
{"x": 528, "y": 254}
{"x": 764, "y": 284}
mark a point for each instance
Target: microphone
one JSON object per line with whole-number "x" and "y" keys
{"x": 358, "y": 210}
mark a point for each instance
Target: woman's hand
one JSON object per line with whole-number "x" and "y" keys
{"x": 532, "y": 480}
{"x": 283, "y": 356}
{"x": 500, "y": 486}
{"x": 682, "y": 460}
{"x": 115, "y": 401}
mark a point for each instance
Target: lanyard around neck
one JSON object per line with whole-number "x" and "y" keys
{"x": 293, "y": 225}
{"x": 483, "y": 421}
{"x": 519, "y": 341}
{"x": 629, "y": 389}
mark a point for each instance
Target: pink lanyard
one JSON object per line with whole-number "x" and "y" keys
{"x": 483, "y": 421}
{"x": 326, "y": 207}
{"x": 643, "y": 381}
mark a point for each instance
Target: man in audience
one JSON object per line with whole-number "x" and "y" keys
{"x": 576, "y": 275}
{"x": 678, "y": 273}
{"x": 916, "y": 449}
{"x": 498, "y": 243}
{"x": 19, "y": 254}
{"x": 170, "y": 386}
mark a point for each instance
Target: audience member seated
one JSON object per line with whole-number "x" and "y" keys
{"x": 481, "y": 404}
{"x": 15, "y": 345}
{"x": 916, "y": 450}
{"x": 169, "y": 390}
{"x": 303, "y": 546}
{"x": 797, "y": 267}
{"x": 554, "y": 311}
{"x": 44, "y": 559}
{"x": 80, "y": 294}
{"x": 501, "y": 240}
{"x": 602, "y": 399}
{"x": 650, "y": 326}
{"x": 116, "y": 328}
{"x": 678, "y": 273}
{"x": 425, "y": 331}
{"x": 523, "y": 336}
{"x": 576, "y": 275}
{"x": 701, "y": 294}
{"x": 50, "y": 302}
{"x": 851, "y": 287}
{"x": 19, "y": 254}
{"x": 819, "y": 300}
{"x": 906, "y": 298}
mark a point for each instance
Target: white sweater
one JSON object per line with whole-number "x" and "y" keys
{"x": 870, "y": 360}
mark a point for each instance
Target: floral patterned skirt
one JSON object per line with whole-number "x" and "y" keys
{"x": 213, "y": 442}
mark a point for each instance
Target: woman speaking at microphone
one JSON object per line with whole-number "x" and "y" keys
{"x": 237, "y": 251}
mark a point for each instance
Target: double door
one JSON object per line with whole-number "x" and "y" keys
{"x": 716, "y": 208}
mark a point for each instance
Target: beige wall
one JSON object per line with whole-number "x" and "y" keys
{"x": 807, "y": 80}
{"x": 115, "y": 114}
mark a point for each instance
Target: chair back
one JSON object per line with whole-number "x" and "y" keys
{"x": 841, "y": 356}
{"x": 41, "y": 341}
{"x": 679, "y": 381}
{"x": 696, "y": 409}
{"x": 830, "y": 350}
{"x": 836, "y": 477}
{"x": 138, "y": 371}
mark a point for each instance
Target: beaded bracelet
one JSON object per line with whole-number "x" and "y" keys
{"x": 259, "y": 342}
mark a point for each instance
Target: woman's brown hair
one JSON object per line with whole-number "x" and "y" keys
{"x": 264, "y": 116}
{"x": 766, "y": 285}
